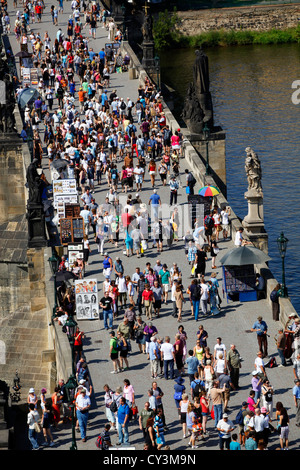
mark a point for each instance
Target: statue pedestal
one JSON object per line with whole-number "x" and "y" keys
{"x": 253, "y": 223}
{"x": 36, "y": 225}
{"x": 148, "y": 55}
{"x": 214, "y": 151}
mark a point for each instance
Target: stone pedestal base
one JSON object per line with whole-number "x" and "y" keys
{"x": 216, "y": 148}
{"x": 148, "y": 55}
{"x": 36, "y": 226}
{"x": 253, "y": 223}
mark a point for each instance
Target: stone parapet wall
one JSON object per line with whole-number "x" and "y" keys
{"x": 197, "y": 166}
{"x": 255, "y": 18}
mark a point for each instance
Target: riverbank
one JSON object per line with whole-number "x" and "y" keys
{"x": 224, "y": 38}
{"x": 227, "y": 27}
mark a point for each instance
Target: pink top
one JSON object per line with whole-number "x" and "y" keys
{"x": 128, "y": 392}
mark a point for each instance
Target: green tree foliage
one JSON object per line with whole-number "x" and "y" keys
{"x": 165, "y": 33}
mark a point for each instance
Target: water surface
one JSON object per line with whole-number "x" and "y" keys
{"x": 251, "y": 88}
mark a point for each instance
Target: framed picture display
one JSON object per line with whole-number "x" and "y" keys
{"x": 86, "y": 299}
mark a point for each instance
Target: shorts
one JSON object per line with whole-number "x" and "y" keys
{"x": 124, "y": 353}
{"x": 114, "y": 356}
{"x": 284, "y": 432}
{"x": 165, "y": 287}
{"x": 157, "y": 304}
{"x": 139, "y": 179}
{"x": 160, "y": 440}
{"x": 129, "y": 244}
{"x": 110, "y": 415}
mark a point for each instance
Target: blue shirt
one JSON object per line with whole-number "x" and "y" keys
{"x": 296, "y": 391}
{"x": 103, "y": 98}
{"x": 234, "y": 446}
{"x": 152, "y": 348}
{"x": 155, "y": 198}
{"x": 123, "y": 411}
{"x": 192, "y": 363}
{"x": 262, "y": 326}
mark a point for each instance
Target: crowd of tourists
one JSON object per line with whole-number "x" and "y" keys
{"x": 112, "y": 142}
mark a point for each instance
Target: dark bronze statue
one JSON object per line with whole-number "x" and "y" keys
{"x": 147, "y": 28}
{"x": 8, "y": 100}
{"x": 34, "y": 182}
{"x": 198, "y": 108}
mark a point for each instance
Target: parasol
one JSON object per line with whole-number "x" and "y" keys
{"x": 23, "y": 54}
{"x": 27, "y": 97}
{"x": 63, "y": 276}
{"x": 209, "y": 191}
{"x": 243, "y": 255}
{"x": 60, "y": 164}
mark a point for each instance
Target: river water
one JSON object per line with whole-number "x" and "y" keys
{"x": 251, "y": 88}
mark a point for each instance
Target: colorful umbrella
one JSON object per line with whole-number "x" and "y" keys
{"x": 209, "y": 191}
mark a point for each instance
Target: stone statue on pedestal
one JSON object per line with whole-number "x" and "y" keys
{"x": 253, "y": 223}
{"x": 7, "y": 98}
{"x": 147, "y": 28}
{"x": 253, "y": 170}
{"x": 198, "y": 108}
{"x": 34, "y": 182}
{"x": 148, "y": 43}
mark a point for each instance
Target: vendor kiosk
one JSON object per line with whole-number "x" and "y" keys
{"x": 239, "y": 283}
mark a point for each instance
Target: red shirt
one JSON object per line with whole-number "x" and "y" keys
{"x": 126, "y": 219}
{"x": 147, "y": 294}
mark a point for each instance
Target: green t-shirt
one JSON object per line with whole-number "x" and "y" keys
{"x": 145, "y": 415}
{"x": 113, "y": 344}
{"x": 165, "y": 276}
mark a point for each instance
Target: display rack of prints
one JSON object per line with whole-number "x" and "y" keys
{"x": 86, "y": 299}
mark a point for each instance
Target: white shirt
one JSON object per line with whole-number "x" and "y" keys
{"x": 258, "y": 422}
{"x": 238, "y": 239}
{"x": 225, "y": 218}
{"x": 205, "y": 289}
{"x": 82, "y": 401}
{"x": 258, "y": 363}
{"x": 143, "y": 222}
{"x": 167, "y": 351}
{"x": 225, "y": 426}
{"x": 121, "y": 283}
{"x": 219, "y": 348}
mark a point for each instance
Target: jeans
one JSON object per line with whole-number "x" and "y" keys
{"x": 281, "y": 355}
{"x": 169, "y": 363}
{"x": 173, "y": 197}
{"x": 123, "y": 433}
{"x": 218, "y": 410}
{"x": 32, "y": 437}
{"x": 108, "y": 315}
{"x": 196, "y": 304}
{"x": 82, "y": 421}
{"x": 204, "y": 306}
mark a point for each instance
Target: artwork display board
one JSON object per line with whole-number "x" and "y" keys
{"x": 199, "y": 207}
{"x": 75, "y": 252}
{"x": 71, "y": 230}
{"x": 65, "y": 190}
{"x": 86, "y": 299}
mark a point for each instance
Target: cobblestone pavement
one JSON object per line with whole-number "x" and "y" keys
{"x": 232, "y": 324}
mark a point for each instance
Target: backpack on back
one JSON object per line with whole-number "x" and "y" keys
{"x": 209, "y": 221}
{"x": 239, "y": 418}
{"x": 99, "y": 442}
